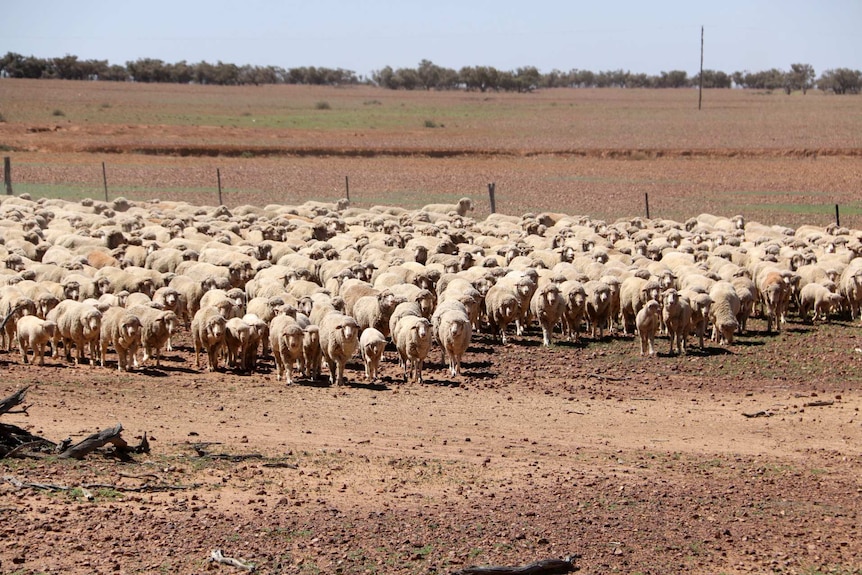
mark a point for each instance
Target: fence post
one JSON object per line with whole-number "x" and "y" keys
{"x": 7, "y": 174}
{"x": 491, "y": 189}
{"x": 218, "y": 176}
{"x": 347, "y": 187}
{"x": 105, "y": 181}
{"x": 837, "y": 217}
{"x": 646, "y": 203}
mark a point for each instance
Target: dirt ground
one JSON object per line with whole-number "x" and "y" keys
{"x": 743, "y": 459}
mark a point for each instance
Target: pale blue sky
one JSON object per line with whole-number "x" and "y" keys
{"x": 363, "y": 36}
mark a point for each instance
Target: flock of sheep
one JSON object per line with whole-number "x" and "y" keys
{"x": 318, "y": 282}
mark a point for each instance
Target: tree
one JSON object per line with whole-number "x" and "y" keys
{"x": 800, "y": 77}
{"x": 840, "y": 81}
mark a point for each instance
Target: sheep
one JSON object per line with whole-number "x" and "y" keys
{"x": 647, "y": 321}
{"x": 548, "y": 306}
{"x": 34, "y": 333}
{"x": 238, "y": 334}
{"x": 676, "y": 315}
{"x": 412, "y": 338}
{"x": 339, "y": 338}
{"x": 816, "y": 297}
{"x": 723, "y": 311}
{"x": 453, "y": 331}
{"x": 463, "y": 206}
{"x": 372, "y": 342}
{"x": 575, "y": 299}
{"x": 259, "y": 334}
{"x": 773, "y": 293}
{"x": 78, "y": 324}
{"x": 121, "y": 330}
{"x": 699, "y": 304}
{"x": 13, "y": 299}
{"x": 312, "y": 355}
{"x": 208, "y": 332}
{"x": 598, "y": 306}
{"x": 285, "y": 340}
{"x": 157, "y": 327}
{"x": 635, "y": 291}
{"x": 375, "y": 311}
{"x": 502, "y": 307}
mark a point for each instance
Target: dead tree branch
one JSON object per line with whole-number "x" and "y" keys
{"x": 95, "y": 441}
{"x": 218, "y": 557}
{"x": 544, "y": 567}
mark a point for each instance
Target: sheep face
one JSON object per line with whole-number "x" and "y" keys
{"x": 92, "y": 322}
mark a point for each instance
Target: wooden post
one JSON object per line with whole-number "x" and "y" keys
{"x": 218, "y": 176}
{"x": 491, "y": 189}
{"x": 7, "y": 174}
{"x": 105, "y": 180}
{"x": 347, "y": 187}
{"x": 646, "y": 203}
{"x": 837, "y": 217}
{"x": 700, "y": 89}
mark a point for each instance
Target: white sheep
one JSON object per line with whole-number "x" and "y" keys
{"x": 647, "y": 321}
{"x": 157, "y": 327}
{"x": 312, "y": 355}
{"x": 453, "y": 331}
{"x": 723, "y": 311}
{"x": 676, "y": 315}
{"x": 339, "y": 338}
{"x": 502, "y": 307}
{"x": 412, "y": 337}
{"x": 33, "y": 333}
{"x": 813, "y": 297}
{"x": 598, "y": 306}
{"x": 78, "y": 324}
{"x": 259, "y": 334}
{"x": 372, "y": 342}
{"x": 463, "y": 206}
{"x": 238, "y": 334}
{"x": 122, "y": 331}
{"x": 375, "y": 311}
{"x": 208, "y": 332}
{"x": 575, "y": 299}
{"x": 548, "y": 307}
{"x": 285, "y": 340}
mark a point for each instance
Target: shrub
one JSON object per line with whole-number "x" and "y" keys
{"x": 58, "y": 112}
{"x": 322, "y": 105}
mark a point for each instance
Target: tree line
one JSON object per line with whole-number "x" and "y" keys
{"x": 426, "y": 76}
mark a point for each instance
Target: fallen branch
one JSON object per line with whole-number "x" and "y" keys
{"x": 95, "y": 441}
{"x": 544, "y": 567}
{"x": 607, "y": 377}
{"x": 819, "y": 403}
{"x": 763, "y": 413}
{"x": 15, "y": 399}
{"x": 199, "y": 449}
{"x": 85, "y": 487}
{"x": 218, "y": 557}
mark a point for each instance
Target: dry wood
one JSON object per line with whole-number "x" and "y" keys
{"x": 218, "y": 557}
{"x": 543, "y": 567}
{"x": 13, "y": 400}
{"x": 95, "y": 441}
{"x": 820, "y": 403}
{"x": 762, "y": 413}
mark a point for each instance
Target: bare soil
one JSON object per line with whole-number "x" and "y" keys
{"x": 743, "y": 459}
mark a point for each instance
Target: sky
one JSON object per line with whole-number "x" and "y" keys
{"x": 367, "y": 35}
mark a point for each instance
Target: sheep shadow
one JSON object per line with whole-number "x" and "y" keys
{"x": 709, "y": 351}
{"x": 376, "y": 385}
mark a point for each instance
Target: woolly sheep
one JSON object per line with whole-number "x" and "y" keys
{"x": 699, "y": 304}
{"x": 548, "y": 307}
{"x": 773, "y": 293}
{"x": 502, "y": 307}
{"x": 647, "y": 321}
{"x": 122, "y": 331}
{"x": 339, "y": 337}
{"x": 157, "y": 327}
{"x": 575, "y": 299}
{"x": 412, "y": 337}
{"x": 463, "y": 206}
{"x": 258, "y": 335}
{"x": 453, "y": 331}
{"x": 816, "y": 297}
{"x": 598, "y": 306}
{"x": 312, "y": 355}
{"x": 375, "y": 311}
{"x": 676, "y": 316}
{"x": 208, "y": 332}
{"x": 372, "y": 343}
{"x": 634, "y": 293}
{"x": 78, "y": 324}
{"x": 723, "y": 311}
{"x": 238, "y": 334}
{"x": 34, "y": 333}
{"x": 285, "y": 340}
